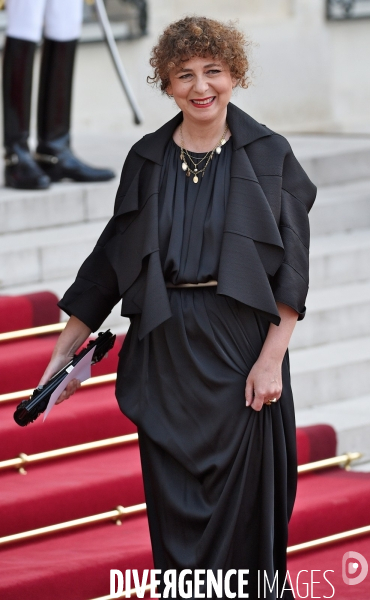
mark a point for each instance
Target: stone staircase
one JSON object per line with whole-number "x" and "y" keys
{"x": 330, "y": 349}
{"x": 44, "y": 236}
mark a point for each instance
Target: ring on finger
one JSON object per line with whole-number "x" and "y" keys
{"x": 269, "y": 402}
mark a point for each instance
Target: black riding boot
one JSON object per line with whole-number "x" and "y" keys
{"x": 53, "y": 152}
{"x": 21, "y": 171}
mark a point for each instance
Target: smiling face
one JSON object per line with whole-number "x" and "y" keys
{"x": 201, "y": 88}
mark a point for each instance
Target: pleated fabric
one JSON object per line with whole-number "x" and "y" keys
{"x": 219, "y": 477}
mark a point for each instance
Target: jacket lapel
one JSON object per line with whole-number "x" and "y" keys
{"x": 137, "y": 227}
{"x": 251, "y": 245}
{"x": 129, "y": 201}
{"x": 249, "y": 213}
{"x": 153, "y": 146}
{"x": 135, "y": 252}
{"x": 252, "y": 248}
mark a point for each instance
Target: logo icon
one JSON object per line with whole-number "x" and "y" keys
{"x": 358, "y": 564}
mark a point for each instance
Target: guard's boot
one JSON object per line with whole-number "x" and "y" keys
{"x": 53, "y": 152}
{"x": 21, "y": 171}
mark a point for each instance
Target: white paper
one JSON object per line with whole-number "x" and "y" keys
{"x": 81, "y": 371}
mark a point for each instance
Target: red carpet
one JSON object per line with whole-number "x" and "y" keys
{"x": 330, "y": 502}
{"x": 29, "y": 310}
{"x": 330, "y": 558}
{"x": 91, "y": 414}
{"x": 24, "y": 361}
{"x": 92, "y": 483}
{"x": 70, "y": 489}
{"x": 76, "y": 565}
{"x": 315, "y": 443}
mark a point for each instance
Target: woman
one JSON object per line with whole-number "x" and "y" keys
{"x": 208, "y": 250}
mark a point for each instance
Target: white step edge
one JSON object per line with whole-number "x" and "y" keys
{"x": 333, "y": 314}
{"x": 340, "y": 258}
{"x": 332, "y": 371}
{"x": 338, "y": 167}
{"x": 338, "y": 296}
{"x": 60, "y": 236}
{"x": 327, "y": 356}
{"x": 341, "y": 242}
{"x": 57, "y": 252}
{"x": 62, "y": 204}
{"x": 341, "y": 208}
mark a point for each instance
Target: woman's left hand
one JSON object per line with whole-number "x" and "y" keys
{"x": 264, "y": 383}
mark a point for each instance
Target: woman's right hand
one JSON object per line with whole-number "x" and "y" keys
{"x": 56, "y": 364}
{"x": 71, "y": 338}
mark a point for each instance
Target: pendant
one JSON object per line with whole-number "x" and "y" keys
{"x": 195, "y": 179}
{"x": 218, "y": 150}
{"x": 223, "y": 141}
{"x": 187, "y": 173}
{"x": 184, "y": 166}
{"x": 195, "y": 170}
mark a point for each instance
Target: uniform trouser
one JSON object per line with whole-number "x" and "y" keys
{"x": 58, "y": 20}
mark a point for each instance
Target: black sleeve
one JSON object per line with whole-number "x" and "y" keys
{"x": 95, "y": 291}
{"x": 290, "y": 282}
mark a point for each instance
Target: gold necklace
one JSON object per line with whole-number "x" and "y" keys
{"x": 191, "y": 158}
{"x": 209, "y": 155}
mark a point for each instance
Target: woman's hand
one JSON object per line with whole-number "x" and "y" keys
{"x": 71, "y": 388}
{"x": 264, "y": 383}
{"x": 71, "y": 338}
{"x": 57, "y": 363}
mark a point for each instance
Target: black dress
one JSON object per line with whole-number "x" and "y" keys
{"x": 219, "y": 477}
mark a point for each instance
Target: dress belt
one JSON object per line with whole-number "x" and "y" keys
{"x": 191, "y": 285}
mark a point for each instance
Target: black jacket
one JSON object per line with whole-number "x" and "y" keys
{"x": 265, "y": 247}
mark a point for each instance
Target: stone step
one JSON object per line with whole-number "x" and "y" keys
{"x": 331, "y": 159}
{"x": 337, "y": 208}
{"x": 327, "y": 159}
{"x": 341, "y": 208}
{"x": 340, "y": 258}
{"x": 32, "y": 256}
{"x": 333, "y": 314}
{"x": 56, "y": 252}
{"x": 62, "y": 204}
{"x": 331, "y": 372}
{"x": 351, "y": 420}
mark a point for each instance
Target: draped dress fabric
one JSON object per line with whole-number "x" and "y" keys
{"x": 219, "y": 477}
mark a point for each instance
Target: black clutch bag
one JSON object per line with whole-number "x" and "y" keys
{"x": 28, "y": 410}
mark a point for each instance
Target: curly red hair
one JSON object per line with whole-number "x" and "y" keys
{"x": 199, "y": 36}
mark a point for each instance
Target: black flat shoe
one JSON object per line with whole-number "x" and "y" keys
{"x": 22, "y": 172}
{"x": 58, "y": 162}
